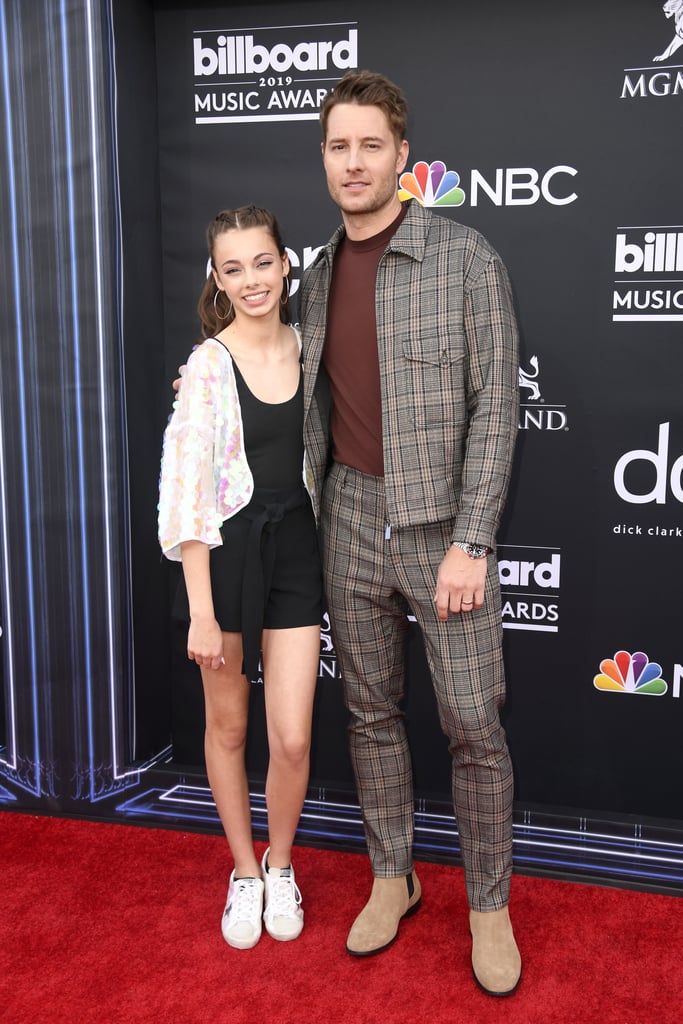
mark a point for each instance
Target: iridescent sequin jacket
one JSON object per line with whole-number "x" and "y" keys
{"x": 205, "y": 477}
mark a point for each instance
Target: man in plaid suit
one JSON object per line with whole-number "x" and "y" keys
{"x": 411, "y": 368}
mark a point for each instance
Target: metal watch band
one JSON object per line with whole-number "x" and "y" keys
{"x": 473, "y": 550}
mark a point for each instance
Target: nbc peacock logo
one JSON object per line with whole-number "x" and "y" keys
{"x": 630, "y": 673}
{"x": 431, "y": 184}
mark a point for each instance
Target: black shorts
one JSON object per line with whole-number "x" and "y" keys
{"x": 296, "y": 592}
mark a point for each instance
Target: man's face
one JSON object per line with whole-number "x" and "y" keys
{"x": 362, "y": 160}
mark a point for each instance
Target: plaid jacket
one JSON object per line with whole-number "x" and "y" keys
{"x": 448, "y": 358}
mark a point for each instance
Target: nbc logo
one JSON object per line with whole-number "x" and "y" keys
{"x": 630, "y": 673}
{"x": 434, "y": 185}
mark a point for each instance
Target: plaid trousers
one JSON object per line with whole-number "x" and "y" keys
{"x": 374, "y": 577}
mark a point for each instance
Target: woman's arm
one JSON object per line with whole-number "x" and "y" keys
{"x": 204, "y": 639}
{"x": 187, "y": 489}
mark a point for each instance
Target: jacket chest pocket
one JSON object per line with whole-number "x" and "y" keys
{"x": 432, "y": 379}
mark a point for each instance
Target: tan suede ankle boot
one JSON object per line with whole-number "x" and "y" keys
{"x": 376, "y": 926}
{"x": 496, "y": 962}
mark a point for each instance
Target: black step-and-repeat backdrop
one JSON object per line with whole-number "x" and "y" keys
{"x": 554, "y": 132}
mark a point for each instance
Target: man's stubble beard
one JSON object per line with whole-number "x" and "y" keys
{"x": 373, "y": 204}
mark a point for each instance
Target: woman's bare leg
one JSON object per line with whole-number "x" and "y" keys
{"x": 226, "y": 699}
{"x": 290, "y": 663}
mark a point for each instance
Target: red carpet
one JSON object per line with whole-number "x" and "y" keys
{"x": 118, "y": 924}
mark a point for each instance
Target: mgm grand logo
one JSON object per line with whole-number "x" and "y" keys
{"x": 328, "y": 667}
{"x": 659, "y": 81}
{"x": 534, "y": 412}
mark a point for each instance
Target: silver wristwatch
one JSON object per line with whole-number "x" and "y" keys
{"x": 473, "y": 550}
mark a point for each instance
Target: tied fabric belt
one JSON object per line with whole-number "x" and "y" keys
{"x": 265, "y": 509}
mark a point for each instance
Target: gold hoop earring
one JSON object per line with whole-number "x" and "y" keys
{"x": 284, "y": 298}
{"x": 215, "y": 308}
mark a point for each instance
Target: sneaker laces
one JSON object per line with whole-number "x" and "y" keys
{"x": 246, "y": 900}
{"x": 283, "y": 896}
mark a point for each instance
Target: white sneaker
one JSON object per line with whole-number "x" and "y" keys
{"x": 283, "y": 916}
{"x": 241, "y": 924}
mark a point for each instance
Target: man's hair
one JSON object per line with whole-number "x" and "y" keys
{"x": 368, "y": 89}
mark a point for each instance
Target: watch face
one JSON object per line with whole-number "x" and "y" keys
{"x": 476, "y": 550}
{"x": 473, "y": 550}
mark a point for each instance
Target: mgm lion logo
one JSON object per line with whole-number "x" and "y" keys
{"x": 673, "y": 9}
{"x": 326, "y": 646}
{"x": 529, "y": 380}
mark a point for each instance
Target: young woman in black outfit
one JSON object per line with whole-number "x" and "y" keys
{"x": 235, "y": 510}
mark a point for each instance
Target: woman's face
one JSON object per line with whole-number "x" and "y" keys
{"x": 250, "y": 270}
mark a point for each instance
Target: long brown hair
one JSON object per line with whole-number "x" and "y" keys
{"x": 215, "y": 312}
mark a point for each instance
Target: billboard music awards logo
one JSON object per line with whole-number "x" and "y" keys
{"x": 648, "y": 267}
{"x": 631, "y": 673}
{"x": 278, "y": 73}
{"x": 530, "y": 587}
{"x": 654, "y": 80}
{"x": 434, "y": 185}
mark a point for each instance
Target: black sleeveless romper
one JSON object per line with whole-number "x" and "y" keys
{"x": 267, "y": 573}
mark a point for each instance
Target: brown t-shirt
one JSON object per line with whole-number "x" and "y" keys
{"x": 350, "y": 354}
